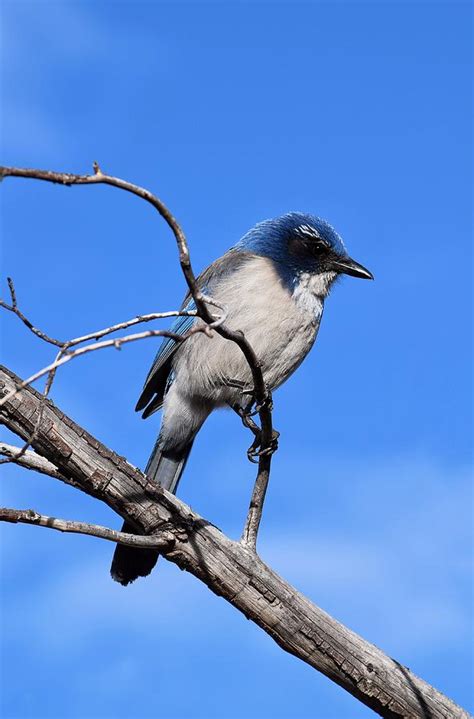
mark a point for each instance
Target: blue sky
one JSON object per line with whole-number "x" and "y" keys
{"x": 234, "y": 112}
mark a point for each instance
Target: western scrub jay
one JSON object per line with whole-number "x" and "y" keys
{"x": 273, "y": 284}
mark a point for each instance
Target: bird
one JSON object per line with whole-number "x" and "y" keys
{"x": 273, "y": 284}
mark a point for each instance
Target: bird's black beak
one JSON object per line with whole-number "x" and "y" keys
{"x": 348, "y": 266}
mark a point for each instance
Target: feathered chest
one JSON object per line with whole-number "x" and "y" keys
{"x": 280, "y": 323}
{"x": 259, "y": 295}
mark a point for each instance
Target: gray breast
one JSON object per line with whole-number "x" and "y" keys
{"x": 280, "y": 327}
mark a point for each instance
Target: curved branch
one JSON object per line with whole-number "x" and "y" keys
{"x": 200, "y": 299}
{"x": 260, "y": 394}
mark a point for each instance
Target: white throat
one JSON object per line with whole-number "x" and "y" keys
{"x": 311, "y": 290}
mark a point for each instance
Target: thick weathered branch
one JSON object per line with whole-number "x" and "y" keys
{"x": 228, "y": 568}
{"x": 162, "y": 541}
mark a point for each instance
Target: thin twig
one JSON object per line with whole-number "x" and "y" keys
{"x": 97, "y": 334}
{"x": 65, "y": 346}
{"x": 140, "y": 319}
{"x": 129, "y": 323}
{"x": 31, "y": 460}
{"x": 163, "y": 540}
{"x": 200, "y": 299}
{"x": 15, "y": 309}
{"x": 254, "y": 516}
{"x": 264, "y": 454}
{"x": 115, "y": 343}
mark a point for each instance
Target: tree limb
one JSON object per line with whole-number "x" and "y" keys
{"x": 97, "y": 334}
{"x": 162, "y": 541}
{"x": 227, "y": 567}
{"x": 67, "y": 356}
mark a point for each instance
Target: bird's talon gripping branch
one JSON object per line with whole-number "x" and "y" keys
{"x": 266, "y": 403}
{"x": 252, "y": 452}
{"x": 247, "y": 421}
{"x": 255, "y": 451}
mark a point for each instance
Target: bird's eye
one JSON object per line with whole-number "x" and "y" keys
{"x": 306, "y": 242}
{"x": 320, "y": 245}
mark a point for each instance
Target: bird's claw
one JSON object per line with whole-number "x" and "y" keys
{"x": 247, "y": 420}
{"x": 266, "y": 403}
{"x": 255, "y": 450}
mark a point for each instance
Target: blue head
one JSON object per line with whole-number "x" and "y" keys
{"x": 302, "y": 243}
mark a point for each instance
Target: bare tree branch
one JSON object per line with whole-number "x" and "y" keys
{"x": 15, "y": 309}
{"x": 115, "y": 343}
{"x": 97, "y": 334}
{"x": 254, "y": 516}
{"x": 228, "y": 568}
{"x": 260, "y": 393}
{"x": 66, "y": 354}
{"x": 184, "y": 256}
{"x": 162, "y": 541}
{"x": 31, "y": 460}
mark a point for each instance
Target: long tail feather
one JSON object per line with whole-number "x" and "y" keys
{"x": 128, "y": 563}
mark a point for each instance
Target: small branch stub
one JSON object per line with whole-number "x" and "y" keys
{"x": 163, "y": 541}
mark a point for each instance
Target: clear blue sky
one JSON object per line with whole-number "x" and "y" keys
{"x": 234, "y": 112}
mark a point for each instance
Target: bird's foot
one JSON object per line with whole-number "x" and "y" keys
{"x": 246, "y": 417}
{"x": 251, "y": 409}
{"x": 266, "y": 403}
{"x": 255, "y": 450}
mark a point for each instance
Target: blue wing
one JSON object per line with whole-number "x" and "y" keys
{"x": 157, "y": 381}
{"x": 168, "y": 346}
